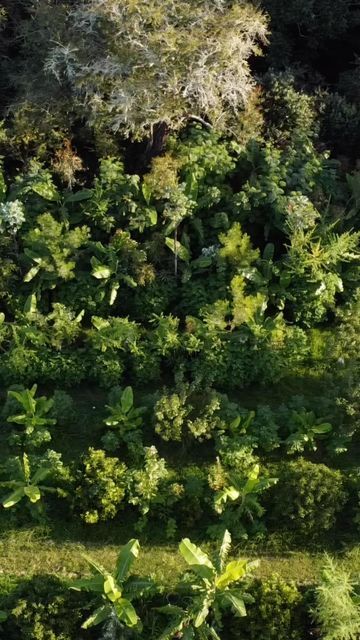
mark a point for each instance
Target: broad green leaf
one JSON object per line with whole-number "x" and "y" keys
{"x": 213, "y": 634}
{"x": 46, "y": 190}
{"x": 202, "y": 262}
{"x": 252, "y": 480}
{"x": 96, "y": 566}
{"x": 30, "y": 304}
{"x": 234, "y": 571}
{"x": 196, "y": 558}
{"x": 224, "y": 549}
{"x": 191, "y": 186}
{"x": 136, "y": 586}
{"x": 33, "y": 255}
{"x": 100, "y": 615}
{"x": 111, "y": 589}
{"x": 2, "y": 318}
{"x": 25, "y": 398}
{"x": 146, "y": 191}
{"x": 26, "y": 467}
{"x": 129, "y": 281}
{"x": 127, "y": 399}
{"x": 33, "y": 493}
{"x": 126, "y": 612}
{"x": 40, "y": 474}
{"x": 325, "y": 427}
{"x": 94, "y": 584}
{"x": 126, "y": 556}
{"x": 13, "y": 498}
{"x": 237, "y": 603}
{"x": 269, "y": 251}
{"x": 99, "y": 271}
{"x": 2, "y": 183}
{"x": 113, "y": 293}
{"x": 202, "y": 614}
{"x": 178, "y": 248}
{"x": 3, "y": 616}
{"x": 153, "y": 216}
{"x": 32, "y": 273}
{"x": 80, "y": 316}
{"x": 234, "y": 424}
{"x": 100, "y": 323}
{"x": 84, "y": 194}
{"x": 221, "y": 498}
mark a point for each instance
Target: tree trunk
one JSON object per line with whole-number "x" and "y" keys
{"x": 157, "y": 142}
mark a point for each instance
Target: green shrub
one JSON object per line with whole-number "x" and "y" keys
{"x": 100, "y": 489}
{"x": 170, "y": 414}
{"x": 43, "y": 609}
{"x": 273, "y": 615}
{"x": 63, "y": 408}
{"x": 307, "y": 498}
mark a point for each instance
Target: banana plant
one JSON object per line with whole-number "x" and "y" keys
{"x": 110, "y": 265}
{"x": 27, "y": 484}
{"x": 51, "y": 251}
{"x": 213, "y": 585}
{"x": 242, "y": 493}
{"x": 126, "y": 422}
{"x": 33, "y": 418}
{"x": 306, "y": 430}
{"x": 115, "y": 589}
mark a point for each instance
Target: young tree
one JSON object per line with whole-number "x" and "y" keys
{"x": 141, "y": 65}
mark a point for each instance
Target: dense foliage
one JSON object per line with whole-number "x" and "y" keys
{"x": 179, "y": 303}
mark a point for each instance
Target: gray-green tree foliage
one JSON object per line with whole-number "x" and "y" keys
{"x": 135, "y": 63}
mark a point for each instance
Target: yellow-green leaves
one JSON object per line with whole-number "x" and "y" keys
{"x": 234, "y": 571}
{"x": 212, "y": 588}
{"x": 178, "y": 248}
{"x": 111, "y": 587}
{"x": 26, "y": 484}
{"x": 196, "y": 558}
{"x": 126, "y": 557}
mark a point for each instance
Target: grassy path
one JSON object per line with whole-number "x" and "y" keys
{"x": 26, "y": 553}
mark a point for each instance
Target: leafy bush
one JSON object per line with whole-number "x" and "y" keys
{"x": 170, "y": 413}
{"x": 307, "y": 498}
{"x": 43, "y": 609}
{"x": 145, "y": 482}
{"x": 274, "y": 613}
{"x": 100, "y": 486}
{"x": 63, "y": 407}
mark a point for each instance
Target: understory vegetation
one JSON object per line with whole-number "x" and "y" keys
{"x": 179, "y": 320}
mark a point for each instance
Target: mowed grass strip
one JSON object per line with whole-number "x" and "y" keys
{"x": 26, "y": 553}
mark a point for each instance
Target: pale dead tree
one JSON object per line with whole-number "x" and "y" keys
{"x": 145, "y": 65}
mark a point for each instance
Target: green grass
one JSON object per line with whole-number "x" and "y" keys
{"x": 29, "y": 552}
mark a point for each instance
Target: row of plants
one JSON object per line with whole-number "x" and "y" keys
{"x": 237, "y": 485}
{"x": 215, "y": 598}
{"x": 218, "y": 260}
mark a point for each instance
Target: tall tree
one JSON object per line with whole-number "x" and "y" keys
{"x": 142, "y": 65}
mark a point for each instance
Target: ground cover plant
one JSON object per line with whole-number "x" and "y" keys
{"x": 179, "y": 320}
